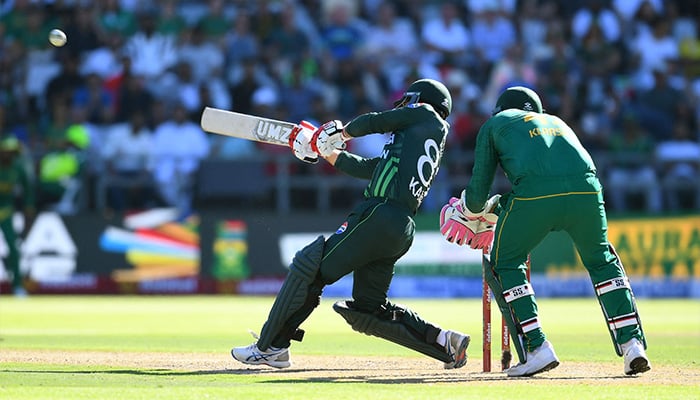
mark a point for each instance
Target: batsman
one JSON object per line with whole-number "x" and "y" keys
{"x": 373, "y": 237}
{"x": 554, "y": 188}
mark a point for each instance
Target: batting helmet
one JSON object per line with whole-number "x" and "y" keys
{"x": 428, "y": 91}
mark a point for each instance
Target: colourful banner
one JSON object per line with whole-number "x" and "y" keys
{"x": 650, "y": 248}
{"x": 659, "y": 247}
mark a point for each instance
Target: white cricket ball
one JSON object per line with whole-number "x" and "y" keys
{"x": 57, "y": 37}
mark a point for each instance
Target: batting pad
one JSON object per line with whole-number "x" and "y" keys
{"x": 393, "y": 331}
{"x": 294, "y": 292}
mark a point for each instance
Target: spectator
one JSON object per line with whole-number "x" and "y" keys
{"x": 629, "y": 169}
{"x": 205, "y": 58}
{"x": 533, "y": 28}
{"x": 114, "y": 20}
{"x": 596, "y": 14}
{"x": 83, "y": 30}
{"x": 445, "y": 36}
{"x": 132, "y": 97}
{"x": 678, "y": 159}
{"x": 341, "y": 34}
{"x": 641, "y": 22}
{"x": 465, "y": 119}
{"x": 180, "y": 86}
{"x": 215, "y": 23}
{"x": 126, "y": 152}
{"x": 297, "y": 94}
{"x": 653, "y": 50}
{"x": 478, "y": 7}
{"x": 170, "y": 22}
{"x": 628, "y": 9}
{"x": 492, "y": 35}
{"x": 178, "y": 147}
{"x": 61, "y": 173}
{"x": 106, "y": 60}
{"x": 286, "y": 41}
{"x": 62, "y": 86}
{"x": 151, "y": 53}
{"x": 241, "y": 44}
{"x": 659, "y": 104}
{"x": 35, "y": 29}
{"x": 391, "y": 40}
{"x": 513, "y": 70}
{"x": 245, "y": 85}
{"x": 94, "y": 98}
{"x": 599, "y": 60}
{"x": 53, "y": 133}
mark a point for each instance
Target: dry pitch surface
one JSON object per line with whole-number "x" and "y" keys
{"x": 388, "y": 370}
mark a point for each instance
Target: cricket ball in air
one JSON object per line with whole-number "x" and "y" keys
{"x": 57, "y": 37}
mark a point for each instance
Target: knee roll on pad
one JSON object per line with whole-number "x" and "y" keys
{"x": 389, "y": 326}
{"x": 295, "y": 292}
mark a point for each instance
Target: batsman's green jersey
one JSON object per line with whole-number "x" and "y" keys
{"x": 554, "y": 187}
{"x": 409, "y": 161}
{"x": 381, "y": 229}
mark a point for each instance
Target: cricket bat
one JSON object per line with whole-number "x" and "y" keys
{"x": 244, "y": 126}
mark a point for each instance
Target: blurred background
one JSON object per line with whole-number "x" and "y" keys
{"x": 119, "y": 174}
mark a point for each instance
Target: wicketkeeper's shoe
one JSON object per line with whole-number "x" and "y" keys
{"x": 539, "y": 360}
{"x": 456, "y": 346}
{"x": 274, "y": 357}
{"x": 635, "y": 357}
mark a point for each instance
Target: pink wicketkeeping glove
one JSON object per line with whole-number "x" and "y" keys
{"x": 483, "y": 238}
{"x": 455, "y": 226}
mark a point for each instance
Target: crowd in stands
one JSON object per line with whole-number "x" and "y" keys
{"x": 123, "y": 98}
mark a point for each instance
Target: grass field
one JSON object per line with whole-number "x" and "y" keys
{"x": 155, "y": 347}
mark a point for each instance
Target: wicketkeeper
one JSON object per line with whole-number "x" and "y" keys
{"x": 554, "y": 188}
{"x": 375, "y": 235}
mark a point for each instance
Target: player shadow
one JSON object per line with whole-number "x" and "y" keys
{"x": 438, "y": 378}
{"x": 147, "y": 372}
{"x": 349, "y": 375}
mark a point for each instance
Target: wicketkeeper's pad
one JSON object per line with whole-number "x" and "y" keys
{"x": 605, "y": 291}
{"x": 514, "y": 329}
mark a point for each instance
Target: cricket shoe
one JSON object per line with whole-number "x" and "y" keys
{"x": 539, "y": 360}
{"x": 456, "y": 347}
{"x": 635, "y": 357}
{"x": 274, "y": 356}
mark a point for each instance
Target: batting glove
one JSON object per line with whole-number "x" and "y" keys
{"x": 300, "y": 142}
{"x": 329, "y": 137}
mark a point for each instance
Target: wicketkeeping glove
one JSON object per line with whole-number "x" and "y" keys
{"x": 329, "y": 137}
{"x": 300, "y": 142}
{"x": 485, "y": 231}
{"x": 455, "y": 225}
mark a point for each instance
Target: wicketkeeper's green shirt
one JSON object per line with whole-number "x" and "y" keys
{"x": 539, "y": 153}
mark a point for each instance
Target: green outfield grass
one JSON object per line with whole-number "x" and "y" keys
{"x": 201, "y": 331}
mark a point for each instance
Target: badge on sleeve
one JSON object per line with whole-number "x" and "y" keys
{"x": 342, "y": 228}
